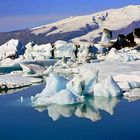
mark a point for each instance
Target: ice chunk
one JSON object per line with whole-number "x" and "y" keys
{"x": 75, "y": 85}
{"x": 11, "y": 49}
{"x": 106, "y": 37}
{"x": 64, "y": 97}
{"x": 123, "y": 55}
{"x": 64, "y": 49}
{"x": 83, "y": 83}
{"x": 98, "y": 48}
{"x": 54, "y": 84}
{"x": 15, "y": 81}
{"x": 132, "y": 95}
{"x": 107, "y": 88}
{"x": 38, "y": 52}
{"x": 32, "y": 68}
{"x": 90, "y": 78}
{"x": 83, "y": 51}
{"x": 127, "y": 82}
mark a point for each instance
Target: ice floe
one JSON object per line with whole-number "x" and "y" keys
{"x": 16, "y": 81}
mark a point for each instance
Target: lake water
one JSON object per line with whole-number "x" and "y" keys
{"x": 90, "y": 121}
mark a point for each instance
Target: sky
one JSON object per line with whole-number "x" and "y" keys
{"x": 21, "y": 14}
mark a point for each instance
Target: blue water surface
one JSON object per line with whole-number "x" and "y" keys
{"x": 20, "y": 121}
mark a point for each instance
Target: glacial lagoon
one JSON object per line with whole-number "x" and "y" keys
{"x": 98, "y": 118}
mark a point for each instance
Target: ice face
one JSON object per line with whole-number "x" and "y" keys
{"x": 54, "y": 84}
{"x": 107, "y": 88}
{"x": 38, "y": 52}
{"x": 64, "y": 49}
{"x": 11, "y": 49}
{"x": 83, "y": 83}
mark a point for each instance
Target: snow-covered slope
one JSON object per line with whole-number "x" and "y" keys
{"x": 89, "y": 27}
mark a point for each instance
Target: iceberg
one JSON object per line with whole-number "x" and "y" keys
{"x": 83, "y": 83}
{"x": 11, "y": 49}
{"x": 64, "y": 49}
{"x": 107, "y": 88}
{"x": 64, "y": 97}
{"x": 55, "y": 92}
{"x": 38, "y": 52}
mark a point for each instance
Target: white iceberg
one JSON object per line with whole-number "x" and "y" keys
{"x": 64, "y": 49}
{"x": 38, "y": 52}
{"x": 75, "y": 85}
{"x": 64, "y": 97}
{"x": 83, "y": 83}
{"x": 107, "y": 88}
{"x": 11, "y": 49}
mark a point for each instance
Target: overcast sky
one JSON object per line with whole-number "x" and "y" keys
{"x": 20, "y": 14}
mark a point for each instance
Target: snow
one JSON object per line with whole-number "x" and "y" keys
{"x": 76, "y": 26}
{"x": 64, "y": 49}
{"x": 107, "y": 88}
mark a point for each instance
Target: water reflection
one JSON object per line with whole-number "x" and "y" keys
{"x": 91, "y": 109}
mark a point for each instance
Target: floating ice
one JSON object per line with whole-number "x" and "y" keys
{"x": 64, "y": 97}
{"x": 38, "y": 52}
{"x": 11, "y": 49}
{"x": 123, "y": 55}
{"x": 127, "y": 82}
{"x": 64, "y": 49}
{"x": 107, "y": 88}
{"x": 15, "y": 81}
{"x": 132, "y": 95}
{"x": 83, "y": 83}
{"x": 54, "y": 84}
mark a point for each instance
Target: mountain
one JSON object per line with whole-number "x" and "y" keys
{"x": 89, "y": 27}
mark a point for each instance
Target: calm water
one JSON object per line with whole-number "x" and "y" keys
{"x": 93, "y": 120}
